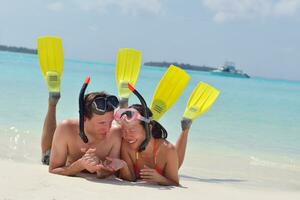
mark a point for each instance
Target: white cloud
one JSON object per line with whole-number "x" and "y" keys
{"x": 230, "y": 10}
{"x": 132, "y": 7}
{"x": 287, "y": 7}
{"x": 56, "y": 6}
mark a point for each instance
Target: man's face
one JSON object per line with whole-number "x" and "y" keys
{"x": 99, "y": 125}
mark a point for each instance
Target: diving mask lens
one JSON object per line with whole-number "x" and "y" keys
{"x": 113, "y": 101}
{"x": 105, "y": 104}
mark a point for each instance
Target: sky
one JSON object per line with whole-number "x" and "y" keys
{"x": 261, "y": 36}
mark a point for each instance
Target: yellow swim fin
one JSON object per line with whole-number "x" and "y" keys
{"x": 168, "y": 90}
{"x": 50, "y": 54}
{"x": 127, "y": 70}
{"x": 201, "y": 99}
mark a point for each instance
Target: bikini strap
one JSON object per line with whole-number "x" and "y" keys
{"x": 155, "y": 150}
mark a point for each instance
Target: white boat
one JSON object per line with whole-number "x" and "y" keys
{"x": 228, "y": 69}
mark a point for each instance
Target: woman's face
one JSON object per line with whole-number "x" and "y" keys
{"x": 133, "y": 133}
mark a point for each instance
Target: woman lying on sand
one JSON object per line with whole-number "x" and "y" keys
{"x": 145, "y": 152}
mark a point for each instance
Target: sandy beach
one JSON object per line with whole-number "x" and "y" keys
{"x": 32, "y": 181}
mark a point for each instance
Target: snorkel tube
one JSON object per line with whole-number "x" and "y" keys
{"x": 81, "y": 110}
{"x": 142, "y": 147}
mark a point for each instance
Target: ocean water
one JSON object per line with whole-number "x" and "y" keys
{"x": 250, "y": 135}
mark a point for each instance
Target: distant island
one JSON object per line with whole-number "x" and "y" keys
{"x": 18, "y": 49}
{"x": 181, "y": 65}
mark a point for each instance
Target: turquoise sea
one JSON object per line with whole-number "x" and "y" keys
{"x": 251, "y": 134}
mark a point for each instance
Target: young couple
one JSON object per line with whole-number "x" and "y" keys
{"x": 135, "y": 149}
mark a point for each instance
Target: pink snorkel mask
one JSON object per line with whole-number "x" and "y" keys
{"x": 129, "y": 115}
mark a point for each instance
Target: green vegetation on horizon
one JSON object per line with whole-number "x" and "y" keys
{"x": 18, "y": 49}
{"x": 182, "y": 65}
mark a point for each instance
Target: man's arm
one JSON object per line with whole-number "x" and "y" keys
{"x": 59, "y": 153}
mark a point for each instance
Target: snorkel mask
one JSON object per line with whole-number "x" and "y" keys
{"x": 100, "y": 106}
{"x": 128, "y": 116}
{"x": 146, "y": 118}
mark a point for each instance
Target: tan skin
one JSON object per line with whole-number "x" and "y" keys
{"x": 167, "y": 158}
{"x": 70, "y": 155}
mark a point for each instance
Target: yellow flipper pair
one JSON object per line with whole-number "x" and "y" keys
{"x": 50, "y": 53}
{"x": 170, "y": 88}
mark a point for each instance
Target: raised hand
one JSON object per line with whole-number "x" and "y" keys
{"x": 114, "y": 164}
{"x": 90, "y": 161}
{"x": 186, "y": 124}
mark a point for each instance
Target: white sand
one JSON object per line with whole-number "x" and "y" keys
{"x": 32, "y": 181}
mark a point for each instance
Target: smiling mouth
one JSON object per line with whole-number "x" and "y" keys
{"x": 131, "y": 141}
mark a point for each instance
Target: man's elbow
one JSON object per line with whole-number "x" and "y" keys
{"x": 57, "y": 171}
{"x": 51, "y": 170}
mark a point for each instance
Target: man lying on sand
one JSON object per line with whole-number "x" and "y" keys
{"x": 65, "y": 151}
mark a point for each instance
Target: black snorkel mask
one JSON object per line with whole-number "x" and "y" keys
{"x": 100, "y": 106}
{"x": 142, "y": 147}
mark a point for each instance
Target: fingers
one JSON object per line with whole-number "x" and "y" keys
{"x": 91, "y": 150}
{"x": 148, "y": 170}
{"x": 98, "y": 166}
{"x": 107, "y": 168}
{"x": 109, "y": 158}
{"x": 90, "y": 160}
{"x": 145, "y": 175}
{"x": 106, "y": 162}
{"x": 90, "y": 157}
{"x": 148, "y": 174}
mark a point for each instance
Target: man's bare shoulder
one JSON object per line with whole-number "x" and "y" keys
{"x": 67, "y": 127}
{"x": 116, "y": 133}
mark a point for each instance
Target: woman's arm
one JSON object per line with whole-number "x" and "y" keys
{"x": 182, "y": 140}
{"x": 170, "y": 176}
{"x": 127, "y": 172}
